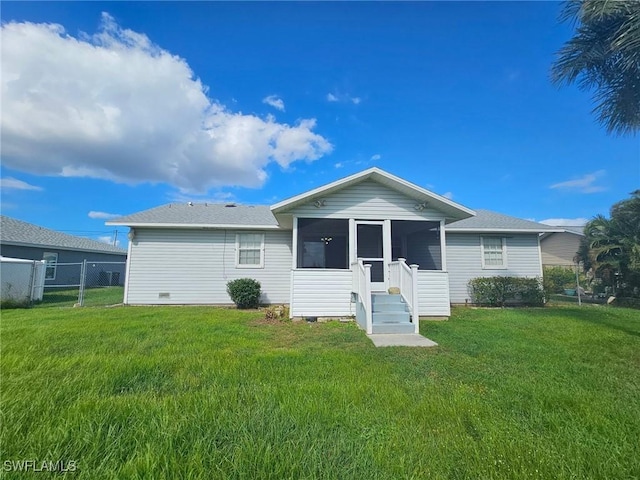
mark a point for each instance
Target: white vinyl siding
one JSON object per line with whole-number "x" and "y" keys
{"x": 367, "y": 200}
{"x": 493, "y": 252}
{"x": 464, "y": 260}
{"x": 171, "y": 266}
{"x": 321, "y": 293}
{"x": 433, "y": 293}
{"x": 250, "y": 250}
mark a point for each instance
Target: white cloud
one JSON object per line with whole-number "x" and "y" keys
{"x": 339, "y": 165}
{"x": 584, "y": 184}
{"x": 15, "y": 184}
{"x": 376, "y": 157}
{"x": 565, "y": 222}
{"x": 114, "y": 105}
{"x": 343, "y": 97}
{"x": 448, "y": 195}
{"x": 274, "y": 101}
{"x": 109, "y": 240}
{"x": 103, "y": 215}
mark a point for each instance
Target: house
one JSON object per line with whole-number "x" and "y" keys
{"x": 330, "y": 251}
{"x": 64, "y": 254}
{"x": 559, "y": 248}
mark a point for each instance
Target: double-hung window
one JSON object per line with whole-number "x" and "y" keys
{"x": 494, "y": 252}
{"x": 51, "y": 262}
{"x": 250, "y": 250}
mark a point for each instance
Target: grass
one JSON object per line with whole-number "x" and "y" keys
{"x": 68, "y": 297}
{"x": 188, "y": 392}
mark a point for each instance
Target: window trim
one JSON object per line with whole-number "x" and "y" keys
{"x": 504, "y": 265}
{"x": 238, "y": 249}
{"x": 50, "y": 264}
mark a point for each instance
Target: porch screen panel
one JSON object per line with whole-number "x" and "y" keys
{"x": 323, "y": 243}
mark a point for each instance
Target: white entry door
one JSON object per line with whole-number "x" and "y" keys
{"x": 370, "y": 249}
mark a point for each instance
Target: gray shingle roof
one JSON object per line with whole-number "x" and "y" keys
{"x": 205, "y": 214}
{"x": 486, "y": 220}
{"x": 17, "y": 232}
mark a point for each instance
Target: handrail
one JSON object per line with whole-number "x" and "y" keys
{"x": 406, "y": 279}
{"x": 361, "y": 286}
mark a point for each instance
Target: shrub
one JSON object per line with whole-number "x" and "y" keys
{"x": 245, "y": 292}
{"x": 556, "y": 279}
{"x": 500, "y": 291}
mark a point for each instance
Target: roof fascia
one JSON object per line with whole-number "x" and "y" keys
{"x": 501, "y": 230}
{"x": 69, "y": 249}
{"x": 207, "y": 226}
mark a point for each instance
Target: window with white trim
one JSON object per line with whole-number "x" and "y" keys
{"x": 250, "y": 250}
{"x": 494, "y": 253}
{"x": 51, "y": 261}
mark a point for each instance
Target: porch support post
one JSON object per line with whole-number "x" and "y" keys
{"x": 386, "y": 250}
{"x": 294, "y": 264}
{"x": 367, "y": 299}
{"x": 294, "y": 244}
{"x": 414, "y": 296}
{"x": 443, "y": 247}
{"x": 352, "y": 241}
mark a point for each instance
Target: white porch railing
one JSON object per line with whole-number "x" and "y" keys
{"x": 406, "y": 279}
{"x": 362, "y": 289}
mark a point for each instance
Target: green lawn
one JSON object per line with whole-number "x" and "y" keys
{"x": 68, "y": 297}
{"x": 188, "y": 392}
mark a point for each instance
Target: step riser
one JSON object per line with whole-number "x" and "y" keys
{"x": 390, "y": 307}
{"x": 394, "y": 328}
{"x": 386, "y": 298}
{"x": 390, "y": 317}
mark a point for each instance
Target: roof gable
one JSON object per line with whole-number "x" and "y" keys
{"x": 452, "y": 209}
{"x": 17, "y": 232}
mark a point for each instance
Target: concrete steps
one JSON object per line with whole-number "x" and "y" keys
{"x": 390, "y": 314}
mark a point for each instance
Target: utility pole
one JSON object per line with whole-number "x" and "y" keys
{"x": 115, "y": 237}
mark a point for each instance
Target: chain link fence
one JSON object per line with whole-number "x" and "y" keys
{"x": 85, "y": 283}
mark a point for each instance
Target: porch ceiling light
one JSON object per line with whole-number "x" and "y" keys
{"x": 420, "y": 206}
{"x": 326, "y": 240}
{"x": 319, "y": 203}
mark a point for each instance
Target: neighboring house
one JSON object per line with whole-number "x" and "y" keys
{"x": 560, "y": 248}
{"x": 63, "y": 253}
{"x": 309, "y": 251}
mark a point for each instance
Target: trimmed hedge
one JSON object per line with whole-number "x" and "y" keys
{"x": 245, "y": 292}
{"x": 500, "y": 291}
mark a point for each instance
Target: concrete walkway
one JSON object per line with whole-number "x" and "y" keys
{"x": 401, "y": 340}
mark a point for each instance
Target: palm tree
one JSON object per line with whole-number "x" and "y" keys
{"x": 604, "y": 54}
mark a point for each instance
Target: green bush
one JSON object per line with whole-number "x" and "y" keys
{"x": 245, "y": 292}
{"x": 556, "y": 279}
{"x": 500, "y": 291}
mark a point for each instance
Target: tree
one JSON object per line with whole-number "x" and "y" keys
{"x": 604, "y": 54}
{"x": 611, "y": 247}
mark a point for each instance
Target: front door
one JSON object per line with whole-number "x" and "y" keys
{"x": 370, "y": 249}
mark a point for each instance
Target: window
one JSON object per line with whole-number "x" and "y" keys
{"x": 250, "y": 247}
{"x": 51, "y": 260}
{"x": 494, "y": 254}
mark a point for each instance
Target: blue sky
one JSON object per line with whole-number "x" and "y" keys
{"x": 113, "y": 108}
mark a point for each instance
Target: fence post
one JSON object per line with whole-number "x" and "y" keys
{"x": 83, "y": 275}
